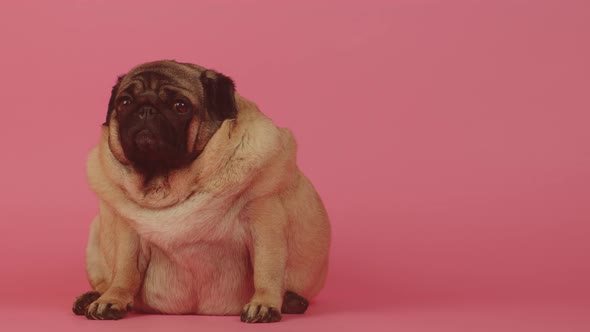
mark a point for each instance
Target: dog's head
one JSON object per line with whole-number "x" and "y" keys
{"x": 162, "y": 114}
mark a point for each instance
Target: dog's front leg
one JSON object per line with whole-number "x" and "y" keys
{"x": 126, "y": 275}
{"x": 267, "y": 221}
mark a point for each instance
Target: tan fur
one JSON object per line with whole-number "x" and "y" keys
{"x": 236, "y": 229}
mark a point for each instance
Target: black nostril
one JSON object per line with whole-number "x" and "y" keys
{"x": 147, "y": 112}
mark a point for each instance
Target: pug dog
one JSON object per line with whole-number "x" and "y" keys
{"x": 202, "y": 208}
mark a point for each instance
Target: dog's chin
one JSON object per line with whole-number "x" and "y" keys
{"x": 151, "y": 158}
{"x": 149, "y": 165}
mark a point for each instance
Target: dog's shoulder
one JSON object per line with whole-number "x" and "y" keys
{"x": 260, "y": 136}
{"x": 245, "y": 152}
{"x": 270, "y": 151}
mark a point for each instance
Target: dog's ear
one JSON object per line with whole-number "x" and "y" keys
{"x": 219, "y": 98}
{"x": 112, "y": 99}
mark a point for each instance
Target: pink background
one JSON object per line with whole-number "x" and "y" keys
{"x": 450, "y": 141}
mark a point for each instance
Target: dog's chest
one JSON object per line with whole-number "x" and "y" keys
{"x": 204, "y": 218}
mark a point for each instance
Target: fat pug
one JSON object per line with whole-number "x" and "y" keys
{"x": 202, "y": 208}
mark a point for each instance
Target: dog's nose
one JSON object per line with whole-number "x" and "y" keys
{"x": 147, "y": 112}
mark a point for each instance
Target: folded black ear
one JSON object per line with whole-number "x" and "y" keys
{"x": 112, "y": 99}
{"x": 219, "y": 95}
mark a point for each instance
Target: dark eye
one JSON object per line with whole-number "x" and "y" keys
{"x": 124, "y": 103}
{"x": 181, "y": 107}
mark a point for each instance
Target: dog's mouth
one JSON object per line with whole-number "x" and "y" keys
{"x": 146, "y": 141}
{"x": 149, "y": 147}
{"x": 152, "y": 150}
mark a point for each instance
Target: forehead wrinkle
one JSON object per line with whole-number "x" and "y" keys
{"x": 180, "y": 91}
{"x": 150, "y": 79}
{"x": 178, "y": 78}
{"x": 134, "y": 85}
{"x": 174, "y": 88}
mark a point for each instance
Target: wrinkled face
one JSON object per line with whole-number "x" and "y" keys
{"x": 163, "y": 114}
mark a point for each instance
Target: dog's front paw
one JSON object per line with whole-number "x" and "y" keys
{"x": 83, "y": 301}
{"x": 107, "y": 309}
{"x": 259, "y": 313}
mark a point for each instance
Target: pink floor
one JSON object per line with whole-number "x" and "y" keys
{"x": 326, "y": 315}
